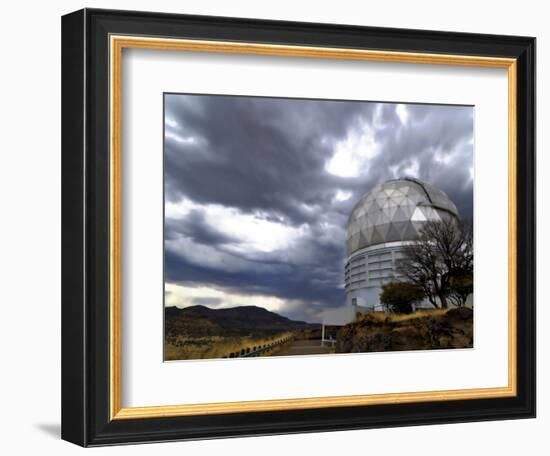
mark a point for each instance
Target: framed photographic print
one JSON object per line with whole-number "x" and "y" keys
{"x": 277, "y": 227}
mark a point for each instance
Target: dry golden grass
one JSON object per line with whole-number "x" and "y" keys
{"x": 384, "y": 317}
{"x": 213, "y": 347}
{"x": 419, "y": 314}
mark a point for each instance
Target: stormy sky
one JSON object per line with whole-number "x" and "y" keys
{"x": 258, "y": 191}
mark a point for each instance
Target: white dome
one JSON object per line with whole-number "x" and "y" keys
{"x": 395, "y": 211}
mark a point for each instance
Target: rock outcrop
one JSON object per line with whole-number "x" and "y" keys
{"x": 374, "y": 333}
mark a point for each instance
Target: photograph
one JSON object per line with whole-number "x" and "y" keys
{"x": 302, "y": 227}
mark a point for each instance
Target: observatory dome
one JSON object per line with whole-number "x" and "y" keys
{"x": 395, "y": 211}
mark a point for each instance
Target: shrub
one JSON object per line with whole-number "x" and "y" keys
{"x": 399, "y": 297}
{"x": 460, "y": 287}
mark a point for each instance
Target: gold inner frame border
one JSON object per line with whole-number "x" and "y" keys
{"x": 116, "y": 46}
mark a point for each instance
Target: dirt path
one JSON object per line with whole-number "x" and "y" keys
{"x": 303, "y": 347}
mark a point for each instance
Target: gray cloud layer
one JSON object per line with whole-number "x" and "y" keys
{"x": 268, "y": 158}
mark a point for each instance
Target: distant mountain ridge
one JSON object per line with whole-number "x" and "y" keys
{"x": 200, "y": 321}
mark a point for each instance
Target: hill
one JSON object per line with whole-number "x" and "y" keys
{"x": 427, "y": 330}
{"x": 201, "y": 321}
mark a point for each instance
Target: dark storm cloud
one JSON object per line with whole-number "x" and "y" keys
{"x": 255, "y": 153}
{"x": 267, "y": 159}
{"x": 439, "y": 139}
{"x": 196, "y": 228}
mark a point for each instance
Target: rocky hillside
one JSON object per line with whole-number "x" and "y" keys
{"x": 374, "y": 332}
{"x": 201, "y": 321}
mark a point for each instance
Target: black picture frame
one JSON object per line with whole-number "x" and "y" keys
{"x": 85, "y": 228}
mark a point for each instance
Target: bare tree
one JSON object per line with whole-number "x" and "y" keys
{"x": 442, "y": 254}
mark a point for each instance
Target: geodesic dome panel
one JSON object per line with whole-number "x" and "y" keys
{"x": 395, "y": 211}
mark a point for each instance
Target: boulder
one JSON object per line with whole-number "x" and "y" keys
{"x": 376, "y": 333}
